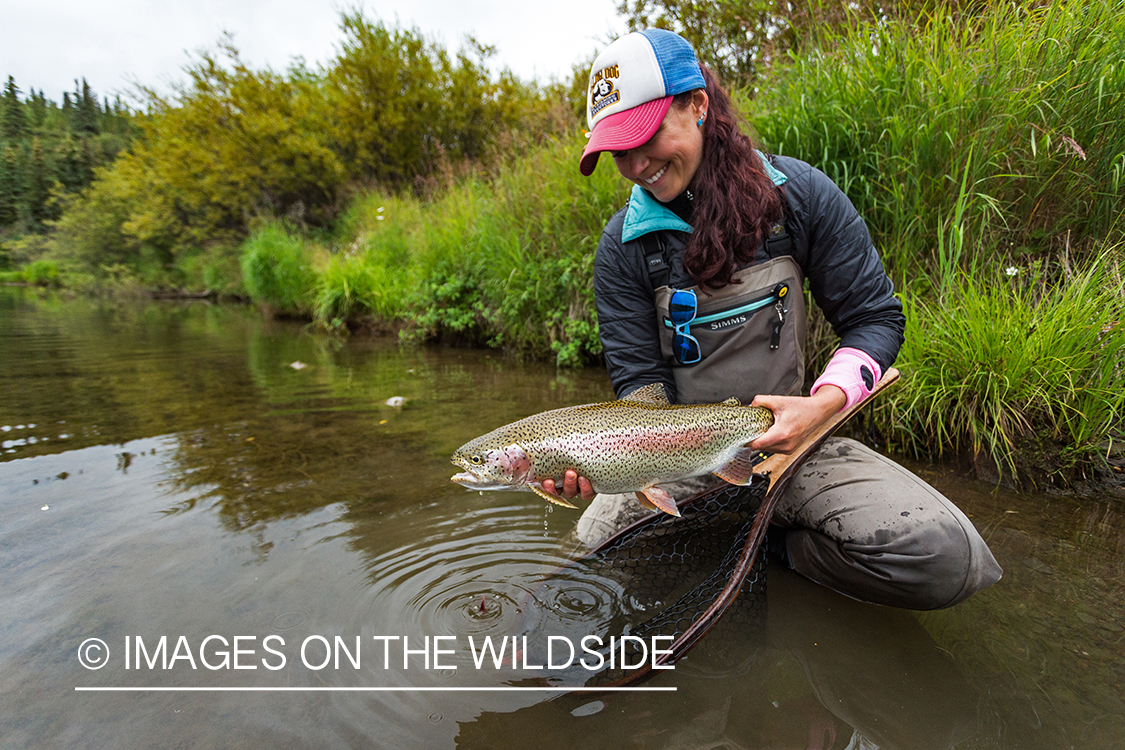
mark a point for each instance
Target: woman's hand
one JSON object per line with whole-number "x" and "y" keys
{"x": 572, "y": 485}
{"x": 795, "y": 416}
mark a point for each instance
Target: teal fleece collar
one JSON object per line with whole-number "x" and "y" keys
{"x": 646, "y": 214}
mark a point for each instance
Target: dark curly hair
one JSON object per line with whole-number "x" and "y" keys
{"x": 735, "y": 202}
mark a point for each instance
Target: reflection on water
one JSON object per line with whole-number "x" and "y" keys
{"x": 166, "y": 471}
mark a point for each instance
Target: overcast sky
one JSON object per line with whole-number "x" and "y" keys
{"x": 46, "y": 44}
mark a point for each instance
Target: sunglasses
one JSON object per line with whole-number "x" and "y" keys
{"x": 682, "y": 310}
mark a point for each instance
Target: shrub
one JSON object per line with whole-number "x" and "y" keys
{"x": 277, "y": 271}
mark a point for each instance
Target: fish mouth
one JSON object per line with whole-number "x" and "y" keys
{"x": 472, "y": 481}
{"x": 466, "y": 478}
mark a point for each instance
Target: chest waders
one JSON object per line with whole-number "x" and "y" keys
{"x": 751, "y": 334}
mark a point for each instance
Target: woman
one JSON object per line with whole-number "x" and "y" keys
{"x": 698, "y": 283}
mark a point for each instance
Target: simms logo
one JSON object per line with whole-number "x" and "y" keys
{"x": 719, "y": 325}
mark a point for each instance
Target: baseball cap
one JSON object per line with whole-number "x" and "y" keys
{"x": 632, "y": 83}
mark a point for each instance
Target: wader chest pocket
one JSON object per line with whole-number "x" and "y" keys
{"x": 731, "y": 317}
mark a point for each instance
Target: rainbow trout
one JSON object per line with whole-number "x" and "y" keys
{"x": 630, "y": 445}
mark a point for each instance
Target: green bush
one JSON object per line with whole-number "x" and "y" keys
{"x": 277, "y": 271}
{"x": 350, "y": 286}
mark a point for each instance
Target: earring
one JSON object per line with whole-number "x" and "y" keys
{"x": 701, "y": 118}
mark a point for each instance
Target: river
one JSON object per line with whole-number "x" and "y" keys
{"x": 271, "y": 555}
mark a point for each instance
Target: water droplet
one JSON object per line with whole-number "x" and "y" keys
{"x": 435, "y": 717}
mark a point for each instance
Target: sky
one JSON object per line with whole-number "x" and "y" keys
{"x": 47, "y": 44}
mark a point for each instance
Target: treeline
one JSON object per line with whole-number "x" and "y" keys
{"x": 234, "y": 146}
{"x": 49, "y": 150}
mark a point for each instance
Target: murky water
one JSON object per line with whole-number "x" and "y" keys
{"x": 166, "y": 471}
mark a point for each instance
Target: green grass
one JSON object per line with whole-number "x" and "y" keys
{"x": 1017, "y": 364}
{"x": 1005, "y": 124}
{"x": 277, "y": 270}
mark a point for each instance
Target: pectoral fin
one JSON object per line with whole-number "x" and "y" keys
{"x": 659, "y": 499}
{"x": 554, "y": 499}
{"x": 739, "y": 469}
{"x": 644, "y": 501}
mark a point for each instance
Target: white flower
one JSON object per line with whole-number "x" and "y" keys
{"x": 1011, "y": 270}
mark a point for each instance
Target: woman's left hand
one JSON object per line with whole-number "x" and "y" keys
{"x": 795, "y": 416}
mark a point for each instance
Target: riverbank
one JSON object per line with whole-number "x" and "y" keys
{"x": 985, "y": 151}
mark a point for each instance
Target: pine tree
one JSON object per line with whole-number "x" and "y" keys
{"x": 11, "y": 179}
{"x": 87, "y": 110}
{"x": 37, "y": 106}
{"x": 14, "y": 123}
{"x": 71, "y": 170}
{"x": 36, "y": 184}
{"x": 67, "y": 111}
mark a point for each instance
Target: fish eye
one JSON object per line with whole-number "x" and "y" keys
{"x": 476, "y": 459}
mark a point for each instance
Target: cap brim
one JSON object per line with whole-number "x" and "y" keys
{"x": 622, "y": 131}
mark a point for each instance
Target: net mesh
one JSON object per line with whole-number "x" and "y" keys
{"x": 668, "y": 573}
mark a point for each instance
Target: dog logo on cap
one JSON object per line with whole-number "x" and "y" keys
{"x": 602, "y": 91}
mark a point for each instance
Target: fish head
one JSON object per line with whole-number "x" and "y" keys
{"x": 492, "y": 466}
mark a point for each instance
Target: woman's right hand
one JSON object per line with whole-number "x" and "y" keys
{"x": 572, "y": 486}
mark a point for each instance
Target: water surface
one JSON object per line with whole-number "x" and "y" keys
{"x": 194, "y": 471}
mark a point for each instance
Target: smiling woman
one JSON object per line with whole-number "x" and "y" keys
{"x": 693, "y": 281}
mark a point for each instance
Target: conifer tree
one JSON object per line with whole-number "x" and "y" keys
{"x": 87, "y": 110}
{"x": 67, "y": 111}
{"x": 36, "y": 184}
{"x": 10, "y": 183}
{"x": 14, "y": 123}
{"x": 71, "y": 171}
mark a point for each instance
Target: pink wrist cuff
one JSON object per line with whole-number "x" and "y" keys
{"x": 846, "y": 371}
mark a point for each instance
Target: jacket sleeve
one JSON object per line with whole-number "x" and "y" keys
{"x": 846, "y": 276}
{"x": 627, "y": 318}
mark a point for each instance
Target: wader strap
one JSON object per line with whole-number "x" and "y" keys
{"x": 656, "y": 259}
{"x": 779, "y": 242}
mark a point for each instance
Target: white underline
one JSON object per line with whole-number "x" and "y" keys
{"x": 559, "y": 689}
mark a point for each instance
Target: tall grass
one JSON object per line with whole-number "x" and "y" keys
{"x": 277, "y": 270}
{"x": 505, "y": 262}
{"x": 1006, "y": 123}
{"x": 1017, "y": 365}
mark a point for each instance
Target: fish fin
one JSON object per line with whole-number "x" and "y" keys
{"x": 644, "y": 500}
{"x": 662, "y": 500}
{"x": 653, "y": 393}
{"x": 740, "y": 469}
{"x": 732, "y": 401}
{"x": 554, "y": 499}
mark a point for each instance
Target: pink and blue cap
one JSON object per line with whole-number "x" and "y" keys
{"x": 632, "y": 83}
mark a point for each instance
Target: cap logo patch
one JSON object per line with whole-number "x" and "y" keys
{"x": 602, "y": 91}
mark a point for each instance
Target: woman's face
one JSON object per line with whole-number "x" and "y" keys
{"x": 666, "y": 164}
